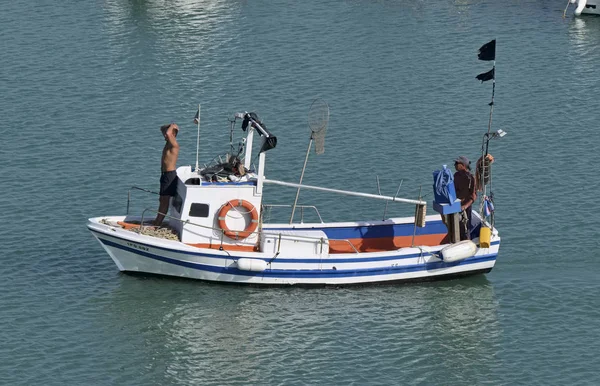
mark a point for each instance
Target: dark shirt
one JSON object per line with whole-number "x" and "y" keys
{"x": 464, "y": 183}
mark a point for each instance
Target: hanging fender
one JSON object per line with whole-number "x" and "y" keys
{"x": 252, "y": 225}
{"x": 580, "y": 7}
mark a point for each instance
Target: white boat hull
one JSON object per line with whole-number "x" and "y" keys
{"x": 132, "y": 252}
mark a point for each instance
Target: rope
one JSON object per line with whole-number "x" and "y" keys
{"x": 565, "y": 11}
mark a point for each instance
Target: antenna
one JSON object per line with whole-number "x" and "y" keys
{"x": 198, "y": 141}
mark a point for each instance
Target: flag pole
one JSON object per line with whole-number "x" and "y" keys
{"x": 487, "y": 169}
{"x": 487, "y": 52}
{"x": 198, "y": 141}
{"x": 487, "y": 139}
{"x": 491, "y": 105}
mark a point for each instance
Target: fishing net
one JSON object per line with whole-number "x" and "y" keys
{"x": 318, "y": 117}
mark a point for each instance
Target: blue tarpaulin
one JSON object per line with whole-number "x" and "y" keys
{"x": 443, "y": 186}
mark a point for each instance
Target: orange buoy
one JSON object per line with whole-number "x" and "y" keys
{"x": 238, "y": 235}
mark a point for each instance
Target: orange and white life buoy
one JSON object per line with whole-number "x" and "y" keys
{"x": 251, "y": 227}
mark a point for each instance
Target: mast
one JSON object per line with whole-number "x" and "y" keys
{"x": 197, "y": 121}
{"x": 487, "y": 52}
{"x": 492, "y": 102}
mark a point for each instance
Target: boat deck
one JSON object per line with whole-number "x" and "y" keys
{"x": 379, "y": 244}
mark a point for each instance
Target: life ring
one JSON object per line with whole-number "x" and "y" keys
{"x": 238, "y": 235}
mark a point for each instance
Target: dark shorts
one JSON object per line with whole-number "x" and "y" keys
{"x": 168, "y": 183}
{"x": 466, "y": 228}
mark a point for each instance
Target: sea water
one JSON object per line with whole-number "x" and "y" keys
{"x": 85, "y": 86}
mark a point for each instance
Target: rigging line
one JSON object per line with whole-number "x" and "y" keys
{"x": 492, "y": 102}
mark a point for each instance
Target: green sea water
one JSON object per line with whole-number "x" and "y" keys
{"x": 84, "y": 87}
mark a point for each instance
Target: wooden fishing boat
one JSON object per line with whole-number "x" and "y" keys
{"x": 216, "y": 228}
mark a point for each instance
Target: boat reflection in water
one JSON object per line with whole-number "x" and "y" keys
{"x": 189, "y": 332}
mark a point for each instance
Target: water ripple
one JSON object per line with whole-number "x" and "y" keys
{"x": 86, "y": 86}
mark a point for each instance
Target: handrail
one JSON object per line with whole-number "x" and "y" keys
{"x": 320, "y": 239}
{"x": 298, "y": 206}
{"x": 136, "y": 188}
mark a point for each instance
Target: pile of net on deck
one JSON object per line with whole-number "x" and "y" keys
{"x": 163, "y": 233}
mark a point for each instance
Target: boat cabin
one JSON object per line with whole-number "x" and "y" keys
{"x": 220, "y": 204}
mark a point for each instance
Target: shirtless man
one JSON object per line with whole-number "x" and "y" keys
{"x": 168, "y": 176}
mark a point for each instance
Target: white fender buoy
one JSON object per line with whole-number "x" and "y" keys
{"x": 252, "y": 265}
{"x": 580, "y": 7}
{"x": 459, "y": 251}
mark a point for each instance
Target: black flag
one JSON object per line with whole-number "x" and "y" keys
{"x": 484, "y": 76}
{"x": 196, "y": 117}
{"x": 488, "y": 51}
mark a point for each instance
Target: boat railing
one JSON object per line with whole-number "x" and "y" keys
{"x": 136, "y": 188}
{"x": 222, "y": 231}
{"x": 302, "y": 207}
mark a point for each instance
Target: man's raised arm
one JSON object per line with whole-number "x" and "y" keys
{"x": 171, "y": 133}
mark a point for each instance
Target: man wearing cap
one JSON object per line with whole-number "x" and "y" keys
{"x": 168, "y": 175}
{"x": 464, "y": 183}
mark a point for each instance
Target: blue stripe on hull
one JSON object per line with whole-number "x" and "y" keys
{"x": 293, "y": 260}
{"x": 305, "y": 273}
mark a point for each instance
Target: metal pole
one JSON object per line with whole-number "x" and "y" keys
{"x": 348, "y": 193}
{"x": 412, "y": 243}
{"x": 486, "y": 142}
{"x": 198, "y": 141}
{"x": 492, "y": 102}
{"x": 231, "y": 136}
{"x": 379, "y": 191}
{"x": 301, "y": 177}
{"x": 396, "y": 195}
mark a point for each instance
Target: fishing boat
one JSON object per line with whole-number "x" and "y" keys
{"x": 216, "y": 229}
{"x": 586, "y": 7}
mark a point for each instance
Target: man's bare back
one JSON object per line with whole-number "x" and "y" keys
{"x": 171, "y": 149}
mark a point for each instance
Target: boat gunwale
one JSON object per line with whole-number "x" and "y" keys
{"x": 179, "y": 247}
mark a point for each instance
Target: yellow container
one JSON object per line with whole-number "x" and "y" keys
{"x": 485, "y": 235}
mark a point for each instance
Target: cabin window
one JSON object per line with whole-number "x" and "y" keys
{"x": 199, "y": 210}
{"x": 177, "y": 202}
{"x": 193, "y": 181}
